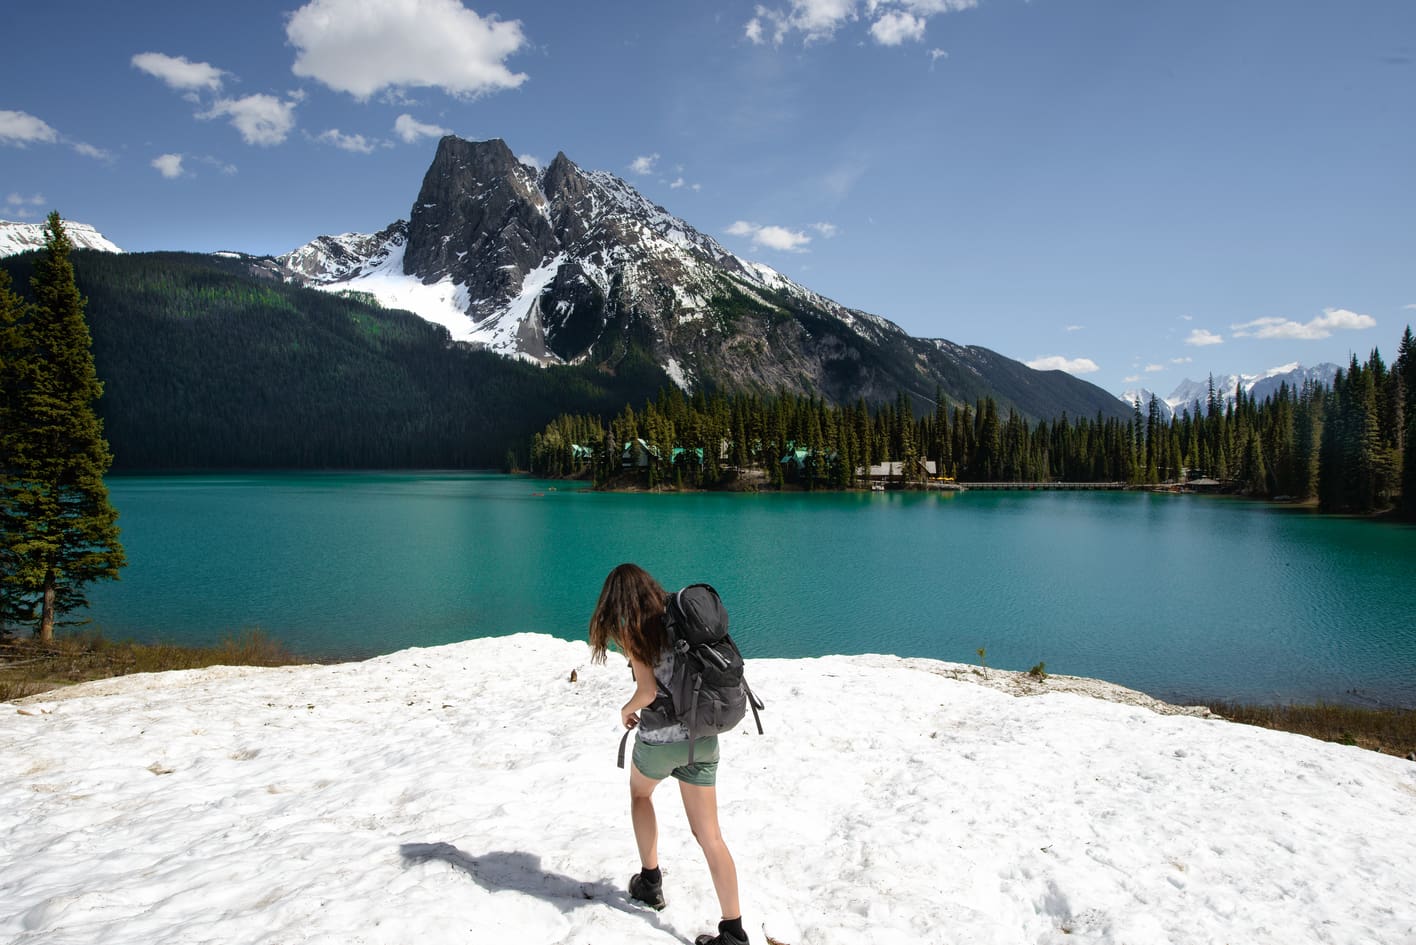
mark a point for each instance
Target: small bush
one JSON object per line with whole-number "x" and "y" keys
{"x": 1039, "y": 671}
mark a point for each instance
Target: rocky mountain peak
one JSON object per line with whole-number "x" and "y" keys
{"x": 480, "y": 220}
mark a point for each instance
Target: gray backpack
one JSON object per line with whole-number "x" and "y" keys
{"x": 707, "y": 691}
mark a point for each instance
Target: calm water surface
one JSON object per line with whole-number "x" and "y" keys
{"x": 1180, "y": 596}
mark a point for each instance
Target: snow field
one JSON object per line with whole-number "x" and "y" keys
{"x": 469, "y": 793}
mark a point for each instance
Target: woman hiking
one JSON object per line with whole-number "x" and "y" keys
{"x": 630, "y": 616}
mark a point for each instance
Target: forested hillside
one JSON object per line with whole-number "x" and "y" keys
{"x": 205, "y": 366}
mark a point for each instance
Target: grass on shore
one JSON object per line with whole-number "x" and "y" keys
{"x": 28, "y": 667}
{"x": 1390, "y": 731}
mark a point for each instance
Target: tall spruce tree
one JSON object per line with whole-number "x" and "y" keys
{"x": 1406, "y": 371}
{"x": 59, "y": 530}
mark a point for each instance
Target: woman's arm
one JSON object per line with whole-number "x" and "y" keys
{"x": 645, "y": 691}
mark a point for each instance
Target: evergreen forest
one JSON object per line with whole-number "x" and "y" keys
{"x": 1347, "y": 446}
{"x": 205, "y": 366}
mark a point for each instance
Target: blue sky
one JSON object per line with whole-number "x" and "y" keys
{"x": 1140, "y": 191}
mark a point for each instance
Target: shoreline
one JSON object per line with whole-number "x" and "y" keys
{"x": 89, "y": 661}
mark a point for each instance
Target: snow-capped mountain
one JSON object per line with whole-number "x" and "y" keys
{"x": 1260, "y": 386}
{"x": 562, "y": 265}
{"x": 1144, "y": 396}
{"x": 18, "y": 238}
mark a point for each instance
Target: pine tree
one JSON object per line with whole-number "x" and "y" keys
{"x": 60, "y": 531}
{"x": 1406, "y": 371}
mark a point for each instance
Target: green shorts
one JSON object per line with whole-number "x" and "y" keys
{"x": 657, "y": 762}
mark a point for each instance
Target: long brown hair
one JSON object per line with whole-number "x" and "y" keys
{"x": 629, "y": 614}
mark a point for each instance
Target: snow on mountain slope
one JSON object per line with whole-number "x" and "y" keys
{"x": 1261, "y": 385}
{"x": 22, "y": 237}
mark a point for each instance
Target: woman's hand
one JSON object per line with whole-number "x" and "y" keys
{"x": 629, "y": 716}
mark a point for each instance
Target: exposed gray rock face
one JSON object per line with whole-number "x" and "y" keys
{"x": 480, "y": 219}
{"x": 564, "y": 266}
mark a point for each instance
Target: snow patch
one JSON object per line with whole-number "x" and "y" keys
{"x": 469, "y": 793}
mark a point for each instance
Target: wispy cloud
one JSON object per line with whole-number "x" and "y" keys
{"x": 22, "y": 206}
{"x": 772, "y": 237}
{"x": 1153, "y": 368}
{"x": 1181, "y": 360}
{"x": 827, "y": 230}
{"x": 262, "y": 120}
{"x": 935, "y": 55}
{"x": 1409, "y": 308}
{"x": 1187, "y": 318}
{"x": 1057, "y": 362}
{"x": 19, "y": 129}
{"x": 531, "y": 160}
{"x": 411, "y": 129}
{"x": 1131, "y": 380}
{"x": 179, "y": 72}
{"x": 1332, "y": 319}
{"x": 168, "y": 165}
{"x": 1075, "y": 327}
{"x": 363, "y": 48}
{"x": 897, "y": 27}
{"x": 892, "y": 22}
{"x": 355, "y": 143}
{"x": 644, "y": 164}
{"x": 1201, "y": 337}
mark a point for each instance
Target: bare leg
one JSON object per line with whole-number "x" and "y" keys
{"x": 641, "y": 811}
{"x": 701, "y": 805}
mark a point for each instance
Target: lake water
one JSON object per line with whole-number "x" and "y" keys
{"x": 1180, "y": 596}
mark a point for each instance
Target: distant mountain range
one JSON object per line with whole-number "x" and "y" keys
{"x": 23, "y": 237}
{"x": 1259, "y": 386}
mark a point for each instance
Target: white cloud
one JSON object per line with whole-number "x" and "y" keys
{"x": 89, "y": 151}
{"x": 1152, "y": 368}
{"x": 1409, "y": 308}
{"x": 168, "y": 165}
{"x": 892, "y": 22}
{"x": 1075, "y": 327}
{"x": 644, "y": 164}
{"x": 1181, "y": 360}
{"x": 677, "y": 183}
{"x": 356, "y": 143}
{"x": 896, "y": 27}
{"x": 772, "y": 237}
{"x": 262, "y": 119}
{"x": 179, "y": 72}
{"x": 1056, "y": 362}
{"x": 1332, "y": 319}
{"x": 410, "y": 129}
{"x": 21, "y": 128}
{"x": 1187, "y": 318}
{"x": 935, "y": 55}
{"x": 1131, "y": 380}
{"x": 1201, "y": 337}
{"x": 827, "y": 230}
{"x": 361, "y": 47}
{"x": 531, "y": 160}
{"x": 815, "y": 19}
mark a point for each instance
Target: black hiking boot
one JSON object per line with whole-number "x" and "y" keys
{"x": 648, "y": 891}
{"x": 727, "y": 935}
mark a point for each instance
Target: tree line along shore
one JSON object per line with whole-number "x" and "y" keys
{"x": 1347, "y": 446}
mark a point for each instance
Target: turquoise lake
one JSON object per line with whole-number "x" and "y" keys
{"x": 1183, "y": 597}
